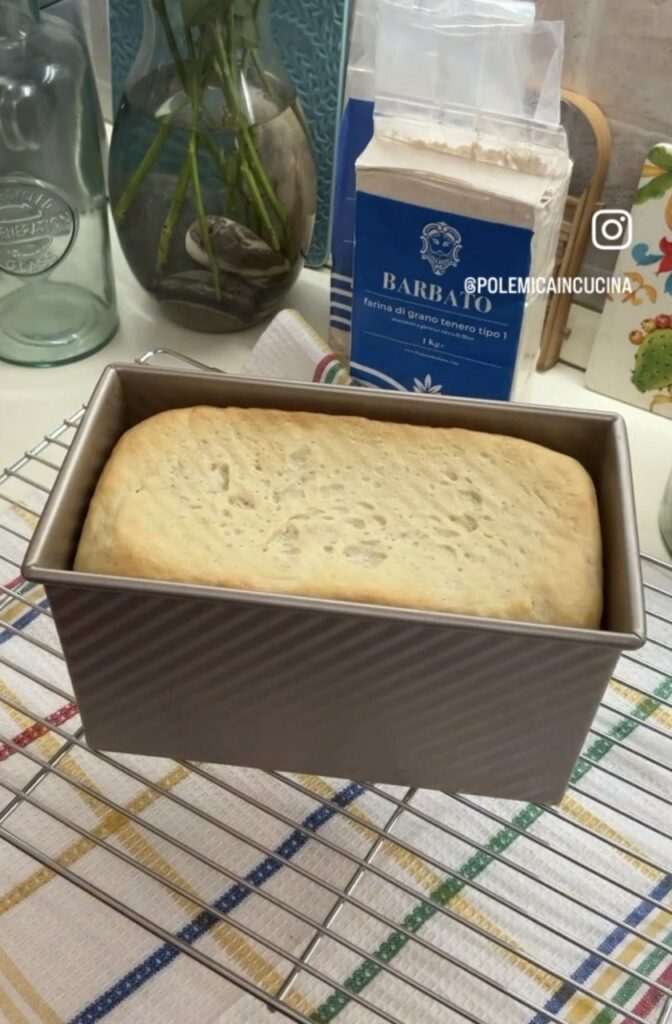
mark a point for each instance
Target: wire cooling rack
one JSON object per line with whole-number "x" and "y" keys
{"x": 401, "y": 906}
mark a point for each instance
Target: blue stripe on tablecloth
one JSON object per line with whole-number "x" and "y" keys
{"x": 228, "y": 901}
{"x": 23, "y": 620}
{"x": 608, "y": 945}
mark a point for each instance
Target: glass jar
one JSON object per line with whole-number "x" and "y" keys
{"x": 57, "y": 297}
{"x": 212, "y": 176}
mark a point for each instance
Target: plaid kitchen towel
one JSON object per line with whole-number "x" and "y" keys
{"x": 456, "y": 908}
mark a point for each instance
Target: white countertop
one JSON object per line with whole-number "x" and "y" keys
{"x": 34, "y": 401}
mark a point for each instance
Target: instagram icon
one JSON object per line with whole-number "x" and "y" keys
{"x": 612, "y": 229}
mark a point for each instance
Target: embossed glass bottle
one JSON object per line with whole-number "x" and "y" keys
{"x": 57, "y": 298}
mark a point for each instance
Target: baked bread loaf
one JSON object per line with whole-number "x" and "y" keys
{"x": 349, "y": 508}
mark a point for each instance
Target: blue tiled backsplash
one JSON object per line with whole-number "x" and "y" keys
{"x": 309, "y": 34}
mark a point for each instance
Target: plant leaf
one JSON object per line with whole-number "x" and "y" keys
{"x": 654, "y": 189}
{"x": 661, "y": 156}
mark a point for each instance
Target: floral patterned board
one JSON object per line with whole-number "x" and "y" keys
{"x": 631, "y": 358}
{"x": 309, "y": 34}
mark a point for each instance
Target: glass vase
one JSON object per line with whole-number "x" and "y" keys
{"x": 212, "y": 177}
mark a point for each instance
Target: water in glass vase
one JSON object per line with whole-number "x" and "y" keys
{"x": 214, "y": 221}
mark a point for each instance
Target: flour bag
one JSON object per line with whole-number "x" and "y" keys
{"x": 356, "y": 128}
{"x": 465, "y": 178}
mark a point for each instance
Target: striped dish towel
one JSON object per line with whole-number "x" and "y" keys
{"x": 289, "y": 349}
{"x": 469, "y": 910}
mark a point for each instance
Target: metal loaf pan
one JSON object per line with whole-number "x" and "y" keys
{"x": 394, "y": 695}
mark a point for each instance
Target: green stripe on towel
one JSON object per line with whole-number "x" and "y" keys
{"x": 472, "y": 868}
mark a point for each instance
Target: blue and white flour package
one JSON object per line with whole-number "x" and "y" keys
{"x": 464, "y": 181}
{"x": 356, "y": 128}
{"x": 418, "y": 324}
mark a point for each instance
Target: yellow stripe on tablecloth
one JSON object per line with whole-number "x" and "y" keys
{"x": 76, "y": 850}
{"x": 430, "y": 880}
{"x": 575, "y": 810}
{"x": 227, "y": 937}
{"x": 12, "y": 611}
{"x": 580, "y": 1006}
{"x": 27, "y": 990}
{"x": 256, "y": 966}
{"x": 30, "y": 518}
{"x": 661, "y": 715}
{"x": 15, "y": 608}
{"x": 114, "y": 823}
{"x": 11, "y": 1014}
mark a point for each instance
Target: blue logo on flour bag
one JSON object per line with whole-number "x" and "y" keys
{"x": 415, "y": 326}
{"x": 441, "y": 246}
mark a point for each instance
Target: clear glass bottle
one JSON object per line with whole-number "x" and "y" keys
{"x": 665, "y": 516}
{"x": 212, "y": 177}
{"x": 57, "y": 297}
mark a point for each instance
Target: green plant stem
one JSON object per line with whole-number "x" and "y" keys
{"x": 261, "y": 71}
{"x": 231, "y": 25}
{"x": 244, "y": 202}
{"x": 252, "y": 54}
{"x": 193, "y": 57}
{"x": 141, "y": 172}
{"x": 251, "y": 166}
{"x": 174, "y": 211}
{"x": 243, "y": 171}
{"x": 192, "y": 152}
{"x": 276, "y": 205}
{"x": 154, "y": 151}
{"x": 278, "y": 208}
{"x": 189, "y": 77}
{"x": 180, "y": 66}
{"x": 226, "y": 74}
{"x": 259, "y": 203}
{"x": 228, "y": 169}
{"x": 160, "y": 8}
{"x": 216, "y": 154}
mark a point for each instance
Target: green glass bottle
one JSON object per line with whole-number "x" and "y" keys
{"x": 57, "y": 296}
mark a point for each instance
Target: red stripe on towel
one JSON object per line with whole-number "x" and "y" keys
{"x": 652, "y": 997}
{"x": 322, "y": 366}
{"x": 33, "y": 732}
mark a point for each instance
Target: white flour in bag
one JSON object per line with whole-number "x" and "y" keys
{"x": 465, "y": 177}
{"x": 414, "y": 321}
{"x": 356, "y": 130}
